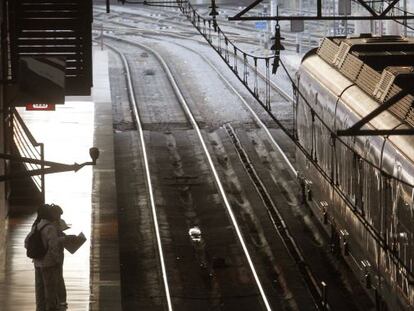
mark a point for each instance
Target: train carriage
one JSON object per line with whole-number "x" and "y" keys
{"x": 362, "y": 184}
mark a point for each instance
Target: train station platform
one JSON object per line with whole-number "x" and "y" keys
{"x": 87, "y": 197}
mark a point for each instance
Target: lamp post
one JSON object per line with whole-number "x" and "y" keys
{"x": 50, "y": 167}
{"x": 46, "y": 167}
{"x": 214, "y": 13}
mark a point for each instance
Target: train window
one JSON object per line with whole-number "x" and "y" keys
{"x": 402, "y": 216}
{"x": 370, "y": 187}
{"x": 307, "y": 125}
{"x": 341, "y": 163}
{"x": 373, "y": 189}
{"x": 357, "y": 182}
{"x": 387, "y": 207}
{"x": 411, "y": 201}
{"x": 325, "y": 148}
{"x": 350, "y": 170}
{"x": 307, "y": 163}
{"x": 367, "y": 147}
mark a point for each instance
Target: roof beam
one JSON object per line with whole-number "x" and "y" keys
{"x": 389, "y": 7}
{"x": 355, "y": 130}
{"x": 247, "y": 9}
{"x": 367, "y": 7}
{"x": 373, "y": 14}
{"x": 325, "y": 18}
{"x": 376, "y": 132}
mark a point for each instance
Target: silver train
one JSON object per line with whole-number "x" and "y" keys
{"x": 361, "y": 187}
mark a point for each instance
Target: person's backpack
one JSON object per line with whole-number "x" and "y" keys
{"x": 34, "y": 245}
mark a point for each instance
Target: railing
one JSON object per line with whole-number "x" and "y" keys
{"x": 27, "y": 146}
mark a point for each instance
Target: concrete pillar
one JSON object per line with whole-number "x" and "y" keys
{"x": 362, "y": 26}
{"x": 391, "y": 27}
{"x": 273, "y": 12}
{"x": 299, "y": 34}
{"x": 405, "y": 8}
{"x": 3, "y": 206}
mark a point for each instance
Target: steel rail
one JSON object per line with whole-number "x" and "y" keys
{"x": 289, "y": 41}
{"x": 256, "y": 117}
{"x": 274, "y": 213}
{"x": 246, "y": 104}
{"x": 337, "y": 190}
{"x": 372, "y": 231}
{"x": 281, "y": 92}
{"x": 219, "y": 184}
{"x": 278, "y": 221}
{"x": 246, "y": 40}
{"x": 179, "y": 23}
{"x": 147, "y": 174}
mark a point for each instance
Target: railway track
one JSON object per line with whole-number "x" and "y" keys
{"x": 224, "y": 198}
{"x": 275, "y": 216}
{"x": 131, "y": 95}
{"x": 143, "y": 32}
{"x": 178, "y": 25}
{"x": 264, "y": 298}
{"x": 230, "y": 27}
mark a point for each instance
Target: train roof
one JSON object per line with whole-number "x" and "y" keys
{"x": 381, "y": 66}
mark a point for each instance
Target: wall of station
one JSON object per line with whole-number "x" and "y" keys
{"x": 3, "y": 206}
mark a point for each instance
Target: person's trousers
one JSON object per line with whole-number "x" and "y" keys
{"x": 47, "y": 288}
{"x": 62, "y": 287}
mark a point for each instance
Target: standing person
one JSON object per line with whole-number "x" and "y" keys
{"x": 60, "y": 226}
{"x": 47, "y": 267}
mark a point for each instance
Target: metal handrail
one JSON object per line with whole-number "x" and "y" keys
{"x": 28, "y": 146}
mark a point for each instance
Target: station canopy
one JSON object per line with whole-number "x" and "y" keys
{"x": 45, "y": 34}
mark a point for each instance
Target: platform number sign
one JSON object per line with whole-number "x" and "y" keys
{"x": 261, "y": 25}
{"x": 40, "y": 107}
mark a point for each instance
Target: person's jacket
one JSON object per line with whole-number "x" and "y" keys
{"x": 53, "y": 241}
